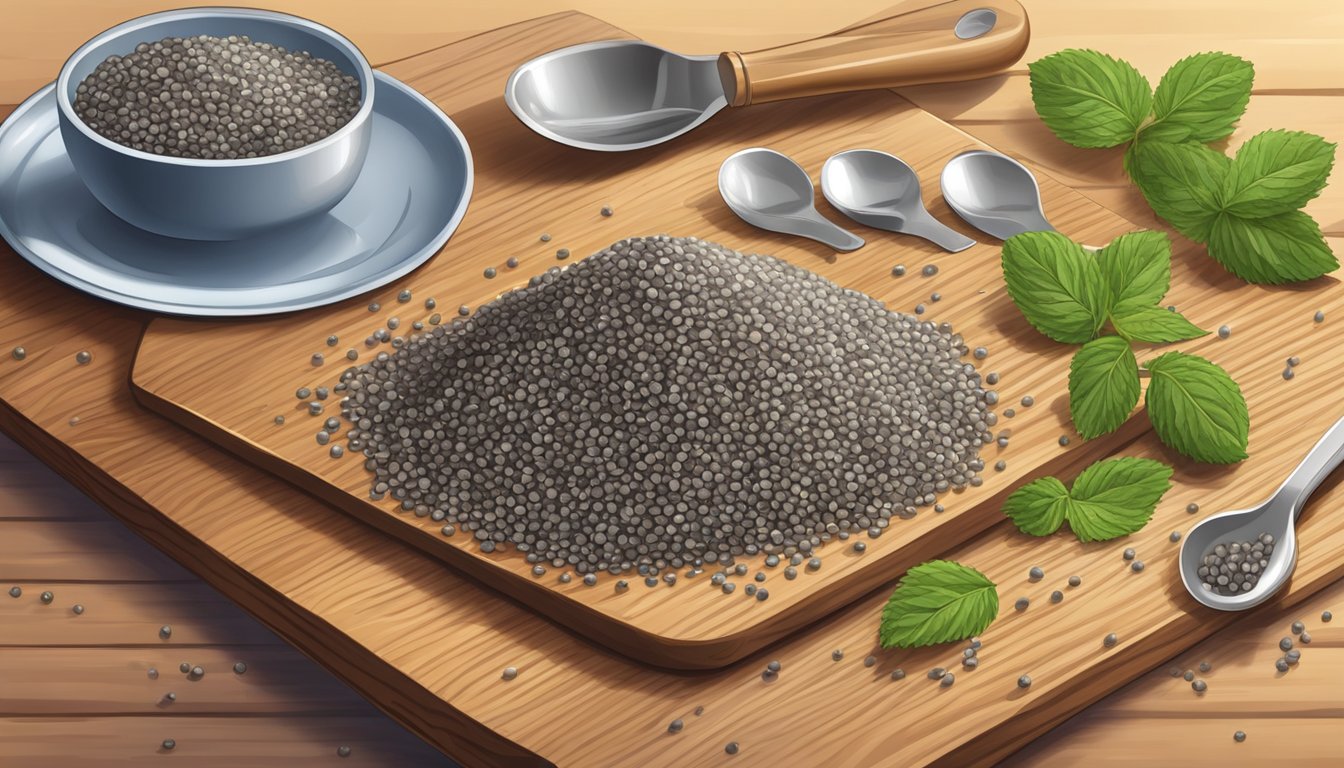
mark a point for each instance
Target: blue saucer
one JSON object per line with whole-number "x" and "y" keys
{"x": 411, "y": 194}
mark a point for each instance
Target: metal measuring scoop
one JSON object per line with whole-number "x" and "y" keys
{"x": 769, "y": 190}
{"x": 622, "y": 95}
{"x": 879, "y": 190}
{"x": 994, "y": 193}
{"x": 1276, "y": 516}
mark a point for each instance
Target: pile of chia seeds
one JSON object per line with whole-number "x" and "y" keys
{"x": 670, "y": 402}
{"x": 1234, "y": 566}
{"x": 216, "y": 98}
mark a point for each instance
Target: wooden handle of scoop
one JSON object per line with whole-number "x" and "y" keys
{"x": 954, "y": 40}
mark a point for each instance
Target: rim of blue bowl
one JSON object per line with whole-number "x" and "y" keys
{"x": 356, "y": 57}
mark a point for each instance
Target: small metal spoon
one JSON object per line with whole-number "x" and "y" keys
{"x": 1276, "y": 516}
{"x": 994, "y": 193}
{"x": 771, "y": 191}
{"x": 881, "y": 191}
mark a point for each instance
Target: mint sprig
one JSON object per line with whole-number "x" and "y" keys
{"x": 938, "y": 602}
{"x": 1071, "y": 295}
{"x": 1231, "y": 205}
{"x": 1109, "y": 499}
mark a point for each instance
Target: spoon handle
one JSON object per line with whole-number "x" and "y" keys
{"x": 824, "y": 231}
{"x": 1318, "y": 464}
{"x": 955, "y": 40}
{"x": 937, "y": 233}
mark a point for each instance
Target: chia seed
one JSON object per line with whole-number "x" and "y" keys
{"x": 216, "y": 98}
{"x": 1232, "y": 567}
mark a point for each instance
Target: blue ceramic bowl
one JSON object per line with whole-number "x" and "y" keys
{"x": 217, "y": 199}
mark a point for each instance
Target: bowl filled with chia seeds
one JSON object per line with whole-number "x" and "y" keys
{"x": 216, "y": 123}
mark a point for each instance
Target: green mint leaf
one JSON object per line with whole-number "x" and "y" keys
{"x": 1137, "y": 268}
{"x": 1182, "y": 183}
{"x": 1276, "y": 172}
{"x": 1196, "y": 408}
{"x": 1088, "y": 98}
{"x": 1201, "y": 98}
{"x": 1154, "y": 325}
{"x": 1057, "y": 285}
{"x": 1278, "y": 249}
{"x": 1116, "y": 497}
{"x": 1103, "y": 386}
{"x": 938, "y": 602}
{"x": 1037, "y": 508}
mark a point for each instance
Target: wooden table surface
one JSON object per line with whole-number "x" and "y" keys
{"x": 87, "y": 675}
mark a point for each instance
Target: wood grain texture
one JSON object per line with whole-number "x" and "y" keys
{"x": 1286, "y": 716}
{"x": 521, "y": 177}
{"x": 208, "y": 742}
{"x": 1280, "y": 43}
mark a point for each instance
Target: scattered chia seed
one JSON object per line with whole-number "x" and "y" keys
{"x": 403, "y": 297}
{"x": 1199, "y": 686}
{"x": 1009, "y": 413}
{"x": 1205, "y": 666}
{"x": 1136, "y": 566}
{"x": 435, "y": 319}
{"x": 790, "y": 573}
{"x": 1110, "y": 640}
{"x": 1056, "y": 596}
{"x": 1192, "y": 508}
{"x": 898, "y": 674}
{"x": 1024, "y": 681}
{"x": 1320, "y": 316}
{"x": 198, "y": 671}
{"x": 1175, "y": 536}
{"x": 562, "y": 254}
{"x": 240, "y": 668}
{"x": 342, "y": 751}
{"x": 393, "y": 323}
{"x": 930, "y": 270}
{"x": 1022, "y": 603}
{"x": 169, "y": 744}
{"x": 1286, "y": 644}
{"x": 333, "y": 341}
{"x": 837, "y": 655}
{"x": 511, "y": 262}
{"x": 417, "y": 326}
{"x": 860, "y": 547}
{"x": 509, "y": 673}
{"x": 935, "y": 296}
{"x": 78, "y": 609}
{"x": 15, "y": 591}
{"x": 731, "y": 748}
{"x": 937, "y": 673}
{"x": 898, "y": 270}
{"x": 622, "y": 585}
{"x": 170, "y": 697}
{"x": 869, "y": 661}
{"x": 336, "y": 451}
{"x": 315, "y": 408}
{"x": 919, "y": 309}
{"x": 19, "y": 353}
{"x": 375, "y": 306}
{"x": 1288, "y": 374}
{"x": 992, "y": 378}
{"x": 1189, "y": 675}
{"x": 1224, "y": 331}
{"x": 1326, "y": 616}
{"x": 675, "y": 726}
{"x": 1298, "y": 628}
{"x": 1239, "y": 736}
{"x": 152, "y": 673}
{"x": 980, "y": 353}
{"x": 606, "y": 210}
{"x": 948, "y": 680}
{"x": 1294, "y": 361}
{"x": 1293, "y": 656}
{"x": 1304, "y": 638}
{"x": 1129, "y": 553}
{"x": 83, "y": 357}
{"x": 545, "y": 237}
{"x": 1075, "y": 581}
{"x": 1036, "y": 573}
{"x": 750, "y": 590}
{"x": 970, "y": 663}
{"x": 318, "y": 359}
{"x": 590, "y": 579}
{"x": 1000, "y": 465}
{"x": 1028, "y": 401}
{"x": 46, "y": 598}
{"x": 1281, "y": 665}
{"x": 489, "y": 272}
{"x": 814, "y": 564}
{"x": 351, "y": 354}
{"x": 1063, "y": 440}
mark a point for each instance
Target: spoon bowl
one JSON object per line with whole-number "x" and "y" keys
{"x": 994, "y": 193}
{"x": 880, "y": 190}
{"x": 769, "y": 190}
{"x": 1276, "y": 516}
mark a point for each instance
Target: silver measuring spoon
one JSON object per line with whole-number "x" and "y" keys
{"x": 1276, "y": 516}
{"x": 879, "y": 190}
{"x": 994, "y": 193}
{"x": 769, "y": 190}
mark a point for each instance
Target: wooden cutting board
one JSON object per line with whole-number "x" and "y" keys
{"x": 229, "y": 380}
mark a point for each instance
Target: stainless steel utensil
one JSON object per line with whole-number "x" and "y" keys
{"x": 1276, "y": 516}
{"x": 622, "y": 95}
{"x": 994, "y": 193}
{"x": 879, "y": 190}
{"x": 769, "y": 190}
